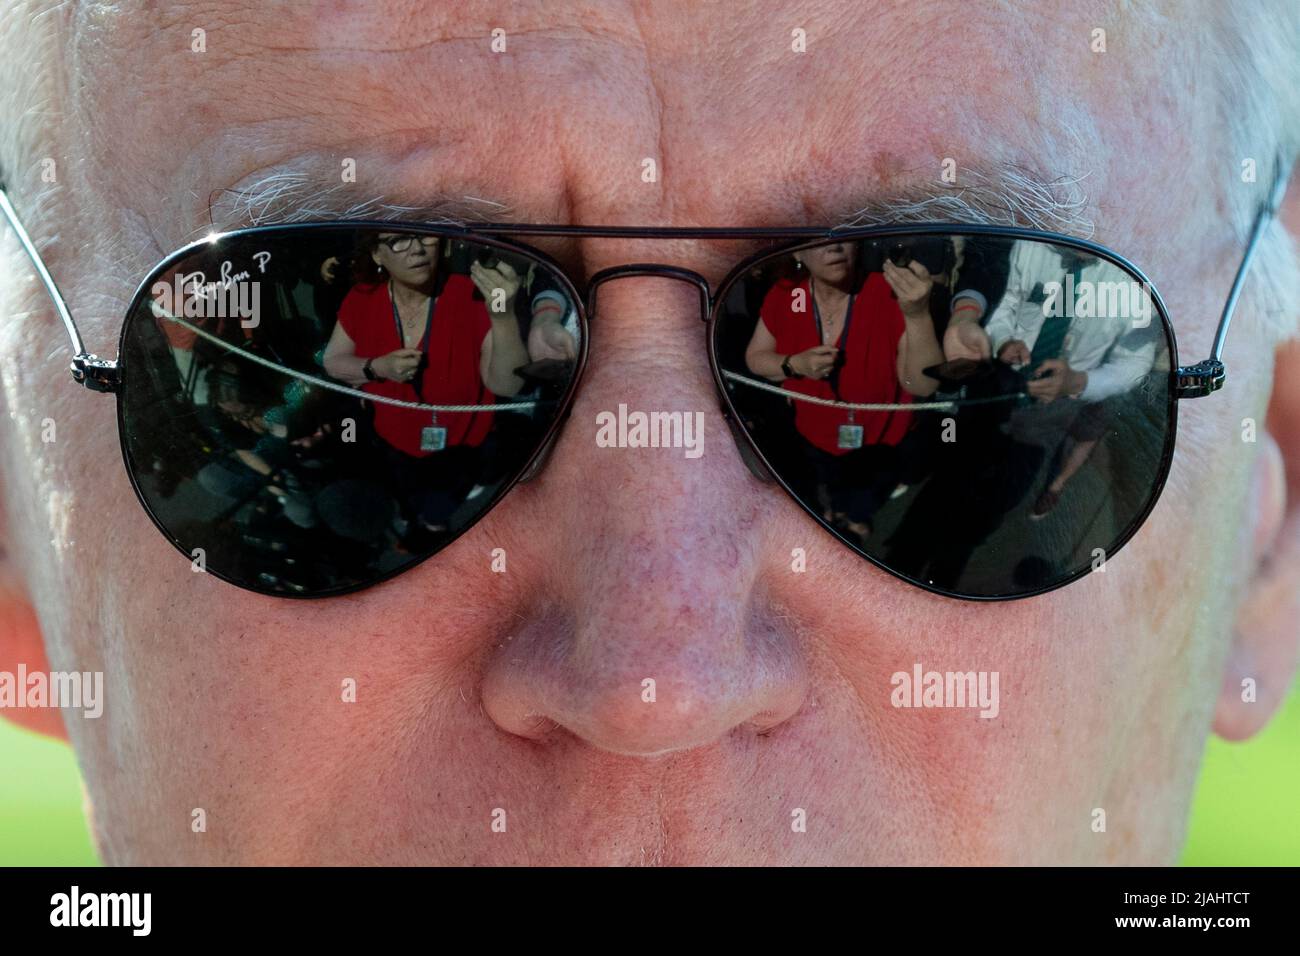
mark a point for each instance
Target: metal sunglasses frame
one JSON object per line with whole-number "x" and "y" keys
{"x": 1193, "y": 381}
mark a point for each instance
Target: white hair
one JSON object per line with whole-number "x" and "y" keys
{"x": 1257, "y": 53}
{"x": 1009, "y": 196}
{"x": 1244, "y": 57}
{"x": 299, "y": 196}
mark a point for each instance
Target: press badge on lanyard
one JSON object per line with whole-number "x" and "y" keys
{"x": 433, "y": 437}
{"x": 850, "y": 433}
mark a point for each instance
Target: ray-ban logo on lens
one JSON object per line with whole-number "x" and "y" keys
{"x": 233, "y": 296}
{"x": 946, "y": 689}
{"x": 133, "y": 910}
{"x": 626, "y": 429}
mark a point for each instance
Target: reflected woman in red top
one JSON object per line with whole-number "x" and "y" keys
{"x": 833, "y": 333}
{"x": 411, "y": 329}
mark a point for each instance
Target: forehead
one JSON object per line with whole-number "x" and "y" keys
{"x": 607, "y": 112}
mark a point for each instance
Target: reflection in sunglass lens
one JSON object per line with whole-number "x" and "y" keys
{"x": 305, "y": 412}
{"x": 986, "y": 416}
{"x": 403, "y": 243}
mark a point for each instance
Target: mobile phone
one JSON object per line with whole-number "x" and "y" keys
{"x": 546, "y": 372}
{"x": 958, "y": 371}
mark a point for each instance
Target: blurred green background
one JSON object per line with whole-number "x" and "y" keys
{"x": 1247, "y": 809}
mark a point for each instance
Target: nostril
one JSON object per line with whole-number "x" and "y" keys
{"x": 747, "y": 453}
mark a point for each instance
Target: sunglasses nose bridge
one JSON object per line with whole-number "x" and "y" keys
{"x": 747, "y": 453}
{"x": 651, "y": 269}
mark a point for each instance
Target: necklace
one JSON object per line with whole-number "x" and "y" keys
{"x": 410, "y": 325}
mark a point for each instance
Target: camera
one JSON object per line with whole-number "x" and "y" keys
{"x": 899, "y": 255}
{"x": 930, "y": 251}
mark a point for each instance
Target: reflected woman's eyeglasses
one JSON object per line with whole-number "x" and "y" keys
{"x": 402, "y": 243}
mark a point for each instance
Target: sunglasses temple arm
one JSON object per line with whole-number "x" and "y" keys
{"x": 90, "y": 370}
{"x": 1262, "y": 221}
{"x": 46, "y": 279}
{"x": 1206, "y": 377}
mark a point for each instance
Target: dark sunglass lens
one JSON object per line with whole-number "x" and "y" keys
{"x": 305, "y": 412}
{"x": 987, "y": 416}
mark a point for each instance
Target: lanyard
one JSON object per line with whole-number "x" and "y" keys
{"x": 834, "y": 378}
{"x": 424, "y": 341}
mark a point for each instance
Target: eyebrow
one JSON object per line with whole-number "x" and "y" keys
{"x": 1005, "y": 195}
{"x": 295, "y": 197}
{"x": 1009, "y": 194}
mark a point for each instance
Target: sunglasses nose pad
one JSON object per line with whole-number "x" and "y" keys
{"x": 747, "y": 454}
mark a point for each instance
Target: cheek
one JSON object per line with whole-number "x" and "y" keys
{"x": 234, "y": 703}
{"x": 1103, "y": 695}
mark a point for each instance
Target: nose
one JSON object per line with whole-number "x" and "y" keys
{"x": 652, "y": 631}
{"x": 648, "y": 670}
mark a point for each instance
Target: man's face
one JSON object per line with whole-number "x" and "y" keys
{"x": 523, "y": 692}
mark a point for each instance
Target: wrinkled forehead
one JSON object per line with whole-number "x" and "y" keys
{"x": 795, "y": 106}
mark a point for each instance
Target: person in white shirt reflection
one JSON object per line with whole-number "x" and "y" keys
{"x": 1080, "y": 328}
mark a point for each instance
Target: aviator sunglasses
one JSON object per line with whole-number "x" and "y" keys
{"x": 307, "y": 410}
